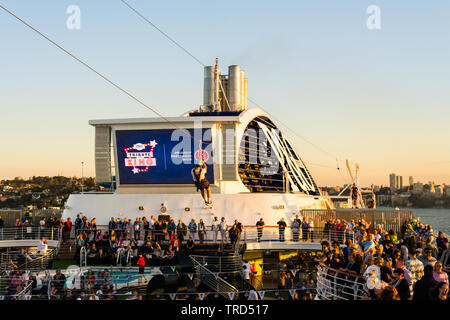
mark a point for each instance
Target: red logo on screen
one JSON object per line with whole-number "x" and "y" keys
{"x": 139, "y": 158}
{"x": 201, "y": 155}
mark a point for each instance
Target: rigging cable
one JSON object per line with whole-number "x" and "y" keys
{"x": 101, "y": 75}
{"x": 204, "y": 65}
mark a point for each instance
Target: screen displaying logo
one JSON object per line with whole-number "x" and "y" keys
{"x": 162, "y": 156}
{"x": 201, "y": 155}
{"x": 138, "y": 159}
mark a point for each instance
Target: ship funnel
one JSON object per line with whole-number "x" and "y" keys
{"x": 222, "y": 92}
{"x": 209, "y": 88}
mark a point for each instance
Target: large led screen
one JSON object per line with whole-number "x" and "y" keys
{"x": 163, "y": 156}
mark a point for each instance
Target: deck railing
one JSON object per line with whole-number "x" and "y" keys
{"x": 214, "y": 281}
{"x": 391, "y": 219}
{"x": 35, "y": 262}
{"x": 249, "y": 234}
{"x": 333, "y": 284}
{"x": 273, "y": 234}
{"x": 30, "y": 233}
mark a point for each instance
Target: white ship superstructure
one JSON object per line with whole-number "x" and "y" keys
{"x": 253, "y": 170}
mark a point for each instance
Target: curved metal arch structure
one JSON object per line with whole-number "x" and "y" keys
{"x": 267, "y": 162}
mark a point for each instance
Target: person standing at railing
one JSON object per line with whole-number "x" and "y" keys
{"x": 192, "y": 229}
{"x": 157, "y": 230}
{"x": 17, "y": 226}
{"x": 69, "y": 225}
{"x": 163, "y": 229}
{"x": 181, "y": 231}
{"x": 201, "y": 231}
{"x": 311, "y": 229}
{"x": 145, "y": 226}
{"x": 137, "y": 228}
{"x": 111, "y": 225}
{"x": 215, "y": 228}
{"x": 171, "y": 227}
{"x": 281, "y": 228}
{"x": 223, "y": 229}
{"x": 94, "y": 224}
{"x": 125, "y": 228}
{"x": 336, "y": 231}
{"x": 259, "y": 229}
{"x": 77, "y": 224}
{"x": 295, "y": 227}
{"x": 305, "y": 230}
{"x": 151, "y": 226}
{"x": 233, "y": 234}
{"x": 299, "y": 220}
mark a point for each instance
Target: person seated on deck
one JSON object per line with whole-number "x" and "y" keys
{"x": 157, "y": 251}
{"x": 93, "y": 253}
{"x": 198, "y": 174}
{"x": 190, "y": 245}
{"x": 170, "y": 253}
{"x": 120, "y": 251}
{"x": 147, "y": 250}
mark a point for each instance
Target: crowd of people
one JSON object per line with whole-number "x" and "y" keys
{"x": 402, "y": 266}
{"x": 23, "y": 230}
{"x": 157, "y": 241}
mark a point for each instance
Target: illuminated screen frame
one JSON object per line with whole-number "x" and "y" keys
{"x": 161, "y": 156}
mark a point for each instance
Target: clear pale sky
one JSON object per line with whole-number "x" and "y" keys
{"x": 380, "y": 98}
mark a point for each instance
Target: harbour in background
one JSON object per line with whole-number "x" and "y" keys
{"x": 438, "y": 218}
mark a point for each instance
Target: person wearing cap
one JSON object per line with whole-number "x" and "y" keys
{"x": 199, "y": 176}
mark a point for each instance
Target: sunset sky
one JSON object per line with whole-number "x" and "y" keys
{"x": 380, "y": 98}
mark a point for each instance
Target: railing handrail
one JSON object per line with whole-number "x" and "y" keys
{"x": 337, "y": 271}
{"x": 335, "y": 284}
{"x": 217, "y": 281}
{"x": 31, "y": 233}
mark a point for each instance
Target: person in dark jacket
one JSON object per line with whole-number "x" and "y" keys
{"x": 281, "y": 228}
{"x": 423, "y": 286}
{"x": 401, "y": 285}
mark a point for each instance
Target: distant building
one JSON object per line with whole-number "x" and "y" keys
{"x": 400, "y": 182}
{"x": 392, "y": 182}
{"x": 438, "y": 190}
{"x": 447, "y": 191}
{"x": 411, "y": 180}
{"x": 417, "y": 188}
{"x": 432, "y": 189}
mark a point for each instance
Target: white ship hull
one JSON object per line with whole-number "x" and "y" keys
{"x": 248, "y": 208}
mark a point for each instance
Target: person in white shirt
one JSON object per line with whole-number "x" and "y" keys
{"x": 215, "y": 228}
{"x": 93, "y": 297}
{"x": 151, "y": 222}
{"x": 42, "y": 223}
{"x": 223, "y": 229}
{"x": 246, "y": 270}
{"x": 42, "y": 246}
